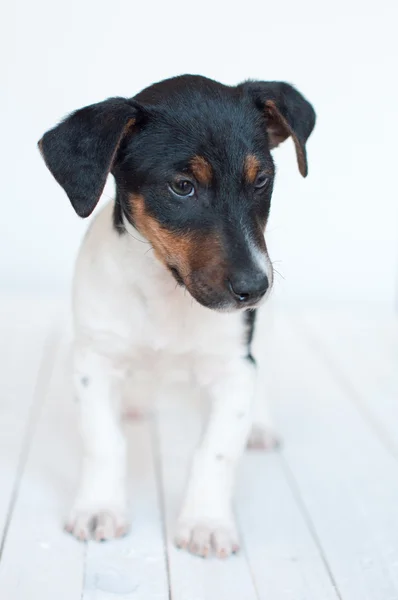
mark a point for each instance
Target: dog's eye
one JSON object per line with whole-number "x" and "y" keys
{"x": 261, "y": 181}
{"x": 182, "y": 187}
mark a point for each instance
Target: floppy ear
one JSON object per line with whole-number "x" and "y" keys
{"x": 287, "y": 113}
{"x": 81, "y": 150}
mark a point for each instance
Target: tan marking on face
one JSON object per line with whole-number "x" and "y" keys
{"x": 202, "y": 170}
{"x": 252, "y": 167}
{"x": 187, "y": 252}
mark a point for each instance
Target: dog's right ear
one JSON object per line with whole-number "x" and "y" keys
{"x": 287, "y": 113}
{"x": 81, "y": 150}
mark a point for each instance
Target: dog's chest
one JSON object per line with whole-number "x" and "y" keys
{"x": 175, "y": 323}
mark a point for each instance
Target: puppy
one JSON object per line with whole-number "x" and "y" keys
{"x": 194, "y": 177}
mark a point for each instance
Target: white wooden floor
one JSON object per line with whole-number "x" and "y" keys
{"x": 319, "y": 520}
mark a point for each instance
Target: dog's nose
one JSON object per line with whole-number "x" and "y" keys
{"x": 248, "y": 288}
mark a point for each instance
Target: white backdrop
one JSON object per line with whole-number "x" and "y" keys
{"x": 335, "y": 233}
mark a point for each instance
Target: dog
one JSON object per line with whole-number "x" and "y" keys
{"x": 194, "y": 177}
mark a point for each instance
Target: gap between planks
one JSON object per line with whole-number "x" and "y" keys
{"x": 43, "y": 376}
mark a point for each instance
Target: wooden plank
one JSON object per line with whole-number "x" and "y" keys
{"x": 39, "y": 559}
{"x": 191, "y": 578}
{"x": 363, "y": 352}
{"x": 22, "y": 341}
{"x": 279, "y": 551}
{"x": 344, "y": 476}
{"x": 55, "y": 565}
{"x": 135, "y": 566}
{"x": 284, "y": 558}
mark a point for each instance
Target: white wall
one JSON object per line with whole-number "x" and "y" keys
{"x": 335, "y": 233}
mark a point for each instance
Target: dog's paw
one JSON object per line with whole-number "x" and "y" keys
{"x": 263, "y": 438}
{"x": 100, "y": 525}
{"x": 201, "y": 537}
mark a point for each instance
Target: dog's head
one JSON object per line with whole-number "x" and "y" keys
{"x": 194, "y": 174}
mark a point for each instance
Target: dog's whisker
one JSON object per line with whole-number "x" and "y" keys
{"x": 133, "y": 236}
{"x": 108, "y": 196}
{"x": 122, "y": 228}
{"x": 278, "y": 273}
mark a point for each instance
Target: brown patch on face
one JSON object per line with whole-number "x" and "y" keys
{"x": 251, "y": 168}
{"x": 279, "y": 130}
{"x": 187, "y": 252}
{"x": 202, "y": 170}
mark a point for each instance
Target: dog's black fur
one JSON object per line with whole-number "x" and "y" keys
{"x": 148, "y": 142}
{"x": 250, "y": 320}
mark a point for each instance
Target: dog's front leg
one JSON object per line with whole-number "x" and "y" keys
{"x": 206, "y": 521}
{"x": 100, "y": 507}
{"x": 263, "y": 435}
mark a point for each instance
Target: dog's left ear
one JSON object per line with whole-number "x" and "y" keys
{"x": 287, "y": 113}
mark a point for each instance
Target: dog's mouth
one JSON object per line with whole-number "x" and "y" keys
{"x": 209, "y": 295}
{"x": 177, "y": 276}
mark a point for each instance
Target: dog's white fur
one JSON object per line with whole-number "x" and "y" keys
{"x": 126, "y": 303}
